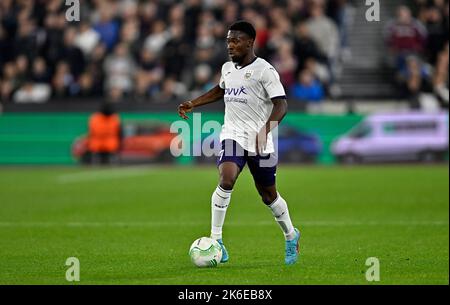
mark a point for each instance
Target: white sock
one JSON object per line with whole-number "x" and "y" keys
{"x": 280, "y": 211}
{"x": 219, "y": 204}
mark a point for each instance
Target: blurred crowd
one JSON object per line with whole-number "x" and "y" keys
{"x": 417, "y": 40}
{"x": 155, "y": 51}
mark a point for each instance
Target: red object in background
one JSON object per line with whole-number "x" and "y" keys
{"x": 406, "y": 37}
{"x": 145, "y": 143}
{"x": 80, "y": 147}
{"x": 262, "y": 37}
{"x": 150, "y": 145}
{"x": 104, "y": 133}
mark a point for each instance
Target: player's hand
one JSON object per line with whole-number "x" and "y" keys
{"x": 185, "y": 107}
{"x": 261, "y": 141}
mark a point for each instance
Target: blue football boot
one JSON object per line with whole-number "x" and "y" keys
{"x": 224, "y": 252}
{"x": 292, "y": 249}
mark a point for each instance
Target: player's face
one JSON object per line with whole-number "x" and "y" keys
{"x": 238, "y": 44}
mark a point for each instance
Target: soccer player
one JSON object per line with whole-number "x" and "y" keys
{"x": 254, "y": 100}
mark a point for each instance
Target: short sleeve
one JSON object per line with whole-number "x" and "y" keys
{"x": 272, "y": 84}
{"x": 222, "y": 80}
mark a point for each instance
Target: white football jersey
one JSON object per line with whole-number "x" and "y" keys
{"x": 248, "y": 105}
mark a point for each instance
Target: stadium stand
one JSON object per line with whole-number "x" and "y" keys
{"x": 156, "y": 52}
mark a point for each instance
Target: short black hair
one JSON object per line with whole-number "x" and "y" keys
{"x": 245, "y": 27}
{"x": 107, "y": 108}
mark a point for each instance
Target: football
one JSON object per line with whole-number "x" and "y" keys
{"x": 205, "y": 252}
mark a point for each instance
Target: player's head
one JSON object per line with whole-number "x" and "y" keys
{"x": 240, "y": 38}
{"x": 107, "y": 108}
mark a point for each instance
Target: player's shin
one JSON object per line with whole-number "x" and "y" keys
{"x": 219, "y": 203}
{"x": 280, "y": 211}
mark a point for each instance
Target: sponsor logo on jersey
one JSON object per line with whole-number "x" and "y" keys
{"x": 235, "y": 91}
{"x": 241, "y": 100}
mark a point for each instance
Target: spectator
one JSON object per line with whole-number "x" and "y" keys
{"x": 119, "y": 70}
{"x": 107, "y": 27}
{"x": 220, "y": 46}
{"x": 323, "y": 31}
{"x": 71, "y": 54}
{"x": 53, "y": 33}
{"x": 4, "y": 56}
{"x": 305, "y": 47}
{"x": 10, "y": 81}
{"x": 404, "y": 36}
{"x": 148, "y": 13}
{"x": 115, "y": 95}
{"x": 192, "y": 12}
{"x": 204, "y": 54}
{"x": 171, "y": 90}
{"x": 206, "y": 41}
{"x": 176, "y": 51}
{"x": 230, "y": 13}
{"x": 86, "y": 39}
{"x": 32, "y": 93}
{"x": 158, "y": 37}
{"x": 95, "y": 68}
{"x": 26, "y": 38}
{"x": 318, "y": 70}
{"x": 8, "y": 26}
{"x": 342, "y": 14}
{"x": 285, "y": 63}
{"x": 297, "y": 10}
{"x": 202, "y": 80}
{"x": 437, "y": 34}
{"x": 128, "y": 10}
{"x": 86, "y": 86}
{"x": 262, "y": 35}
{"x": 415, "y": 78}
{"x": 62, "y": 81}
{"x": 22, "y": 65}
{"x": 149, "y": 75}
{"x": 176, "y": 14}
{"x": 307, "y": 89}
{"x": 40, "y": 72}
{"x": 129, "y": 35}
{"x": 440, "y": 78}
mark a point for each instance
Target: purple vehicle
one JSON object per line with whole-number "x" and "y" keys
{"x": 410, "y": 136}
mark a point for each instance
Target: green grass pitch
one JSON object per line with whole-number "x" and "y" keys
{"x": 135, "y": 225}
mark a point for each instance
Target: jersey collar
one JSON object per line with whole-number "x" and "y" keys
{"x": 240, "y": 68}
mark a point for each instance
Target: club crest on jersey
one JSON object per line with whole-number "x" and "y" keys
{"x": 248, "y": 74}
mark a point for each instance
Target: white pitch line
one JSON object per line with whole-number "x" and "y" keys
{"x": 193, "y": 224}
{"x": 104, "y": 174}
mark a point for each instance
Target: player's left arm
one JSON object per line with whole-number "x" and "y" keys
{"x": 279, "y": 110}
{"x": 272, "y": 84}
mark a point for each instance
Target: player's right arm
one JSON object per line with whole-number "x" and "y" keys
{"x": 211, "y": 96}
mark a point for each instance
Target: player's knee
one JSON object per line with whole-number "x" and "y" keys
{"x": 226, "y": 183}
{"x": 268, "y": 197}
